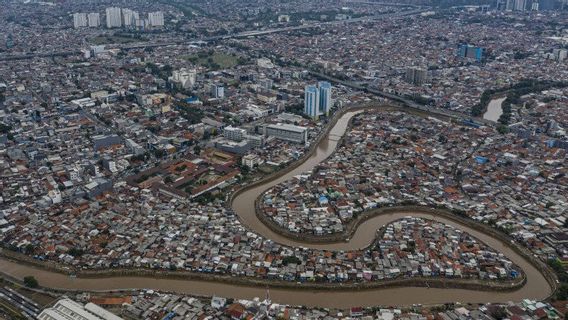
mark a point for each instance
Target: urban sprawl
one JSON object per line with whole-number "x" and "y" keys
{"x": 128, "y": 131}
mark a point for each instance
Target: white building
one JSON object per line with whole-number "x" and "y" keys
{"x": 185, "y": 78}
{"x": 156, "y": 19}
{"x": 287, "y": 132}
{"x": 79, "y": 20}
{"x": 94, "y": 19}
{"x": 129, "y": 17}
{"x": 67, "y": 309}
{"x": 251, "y": 160}
{"x": 113, "y": 17}
{"x": 235, "y": 134}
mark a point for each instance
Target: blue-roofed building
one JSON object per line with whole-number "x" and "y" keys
{"x": 481, "y": 160}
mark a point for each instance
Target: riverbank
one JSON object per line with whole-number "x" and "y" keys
{"x": 428, "y": 282}
{"x": 371, "y": 294}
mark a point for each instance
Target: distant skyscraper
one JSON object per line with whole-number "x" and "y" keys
{"x": 311, "y": 101}
{"x": 324, "y": 97}
{"x": 534, "y": 5}
{"x": 94, "y": 19}
{"x": 416, "y": 76}
{"x": 156, "y": 19}
{"x": 129, "y": 17}
{"x": 79, "y": 20}
{"x": 113, "y": 17}
{"x": 520, "y": 5}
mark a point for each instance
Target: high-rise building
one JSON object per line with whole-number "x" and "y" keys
{"x": 129, "y": 17}
{"x": 156, "y": 19}
{"x": 79, "y": 20}
{"x": 535, "y": 5}
{"x": 416, "y": 76}
{"x": 471, "y": 52}
{"x": 94, "y": 19}
{"x": 520, "y": 5}
{"x": 324, "y": 97}
{"x": 113, "y": 17}
{"x": 311, "y": 101}
{"x": 184, "y": 78}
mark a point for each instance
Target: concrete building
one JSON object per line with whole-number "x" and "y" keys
{"x": 129, "y": 17}
{"x": 217, "y": 91}
{"x": 113, "y": 17}
{"x": 325, "y": 102}
{"x": 184, "y": 78}
{"x": 251, "y": 160}
{"x": 416, "y": 76}
{"x": 94, "y": 19}
{"x": 67, "y": 309}
{"x": 287, "y": 132}
{"x": 156, "y": 19}
{"x": 311, "y": 101}
{"x": 79, "y": 20}
{"x": 235, "y": 134}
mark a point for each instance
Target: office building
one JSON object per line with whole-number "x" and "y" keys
{"x": 156, "y": 19}
{"x": 325, "y": 102}
{"x": 311, "y": 102}
{"x": 129, "y": 17}
{"x": 67, "y": 309}
{"x": 94, "y": 19}
{"x": 470, "y": 52}
{"x": 79, "y": 20}
{"x": 113, "y": 17}
{"x": 287, "y": 132}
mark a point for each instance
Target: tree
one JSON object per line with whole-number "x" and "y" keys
{"x": 76, "y": 252}
{"x": 31, "y": 282}
{"x": 562, "y": 293}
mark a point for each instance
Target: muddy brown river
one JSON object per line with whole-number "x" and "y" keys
{"x": 243, "y": 204}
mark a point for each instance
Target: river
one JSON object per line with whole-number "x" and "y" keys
{"x": 243, "y": 204}
{"x": 494, "y": 109}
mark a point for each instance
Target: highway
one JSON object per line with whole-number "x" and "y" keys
{"x": 403, "y": 101}
{"x": 243, "y": 34}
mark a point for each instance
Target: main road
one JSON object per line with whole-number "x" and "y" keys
{"x": 536, "y": 287}
{"x": 243, "y": 34}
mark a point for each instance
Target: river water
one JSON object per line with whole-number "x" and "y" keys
{"x": 494, "y": 109}
{"x": 243, "y": 204}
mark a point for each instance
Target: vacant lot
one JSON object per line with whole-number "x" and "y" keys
{"x": 215, "y": 60}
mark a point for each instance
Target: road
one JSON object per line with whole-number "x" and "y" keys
{"x": 244, "y": 34}
{"x": 404, "y": 101}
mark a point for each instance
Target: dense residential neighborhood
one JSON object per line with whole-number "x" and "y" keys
{"x": 327, "y": 147}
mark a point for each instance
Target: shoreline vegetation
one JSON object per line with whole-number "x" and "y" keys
{"x": 512, "y": 95}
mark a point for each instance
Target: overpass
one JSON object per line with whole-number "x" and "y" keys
{"x": 244, "y": 34}
{"x": 403, "y": 101}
